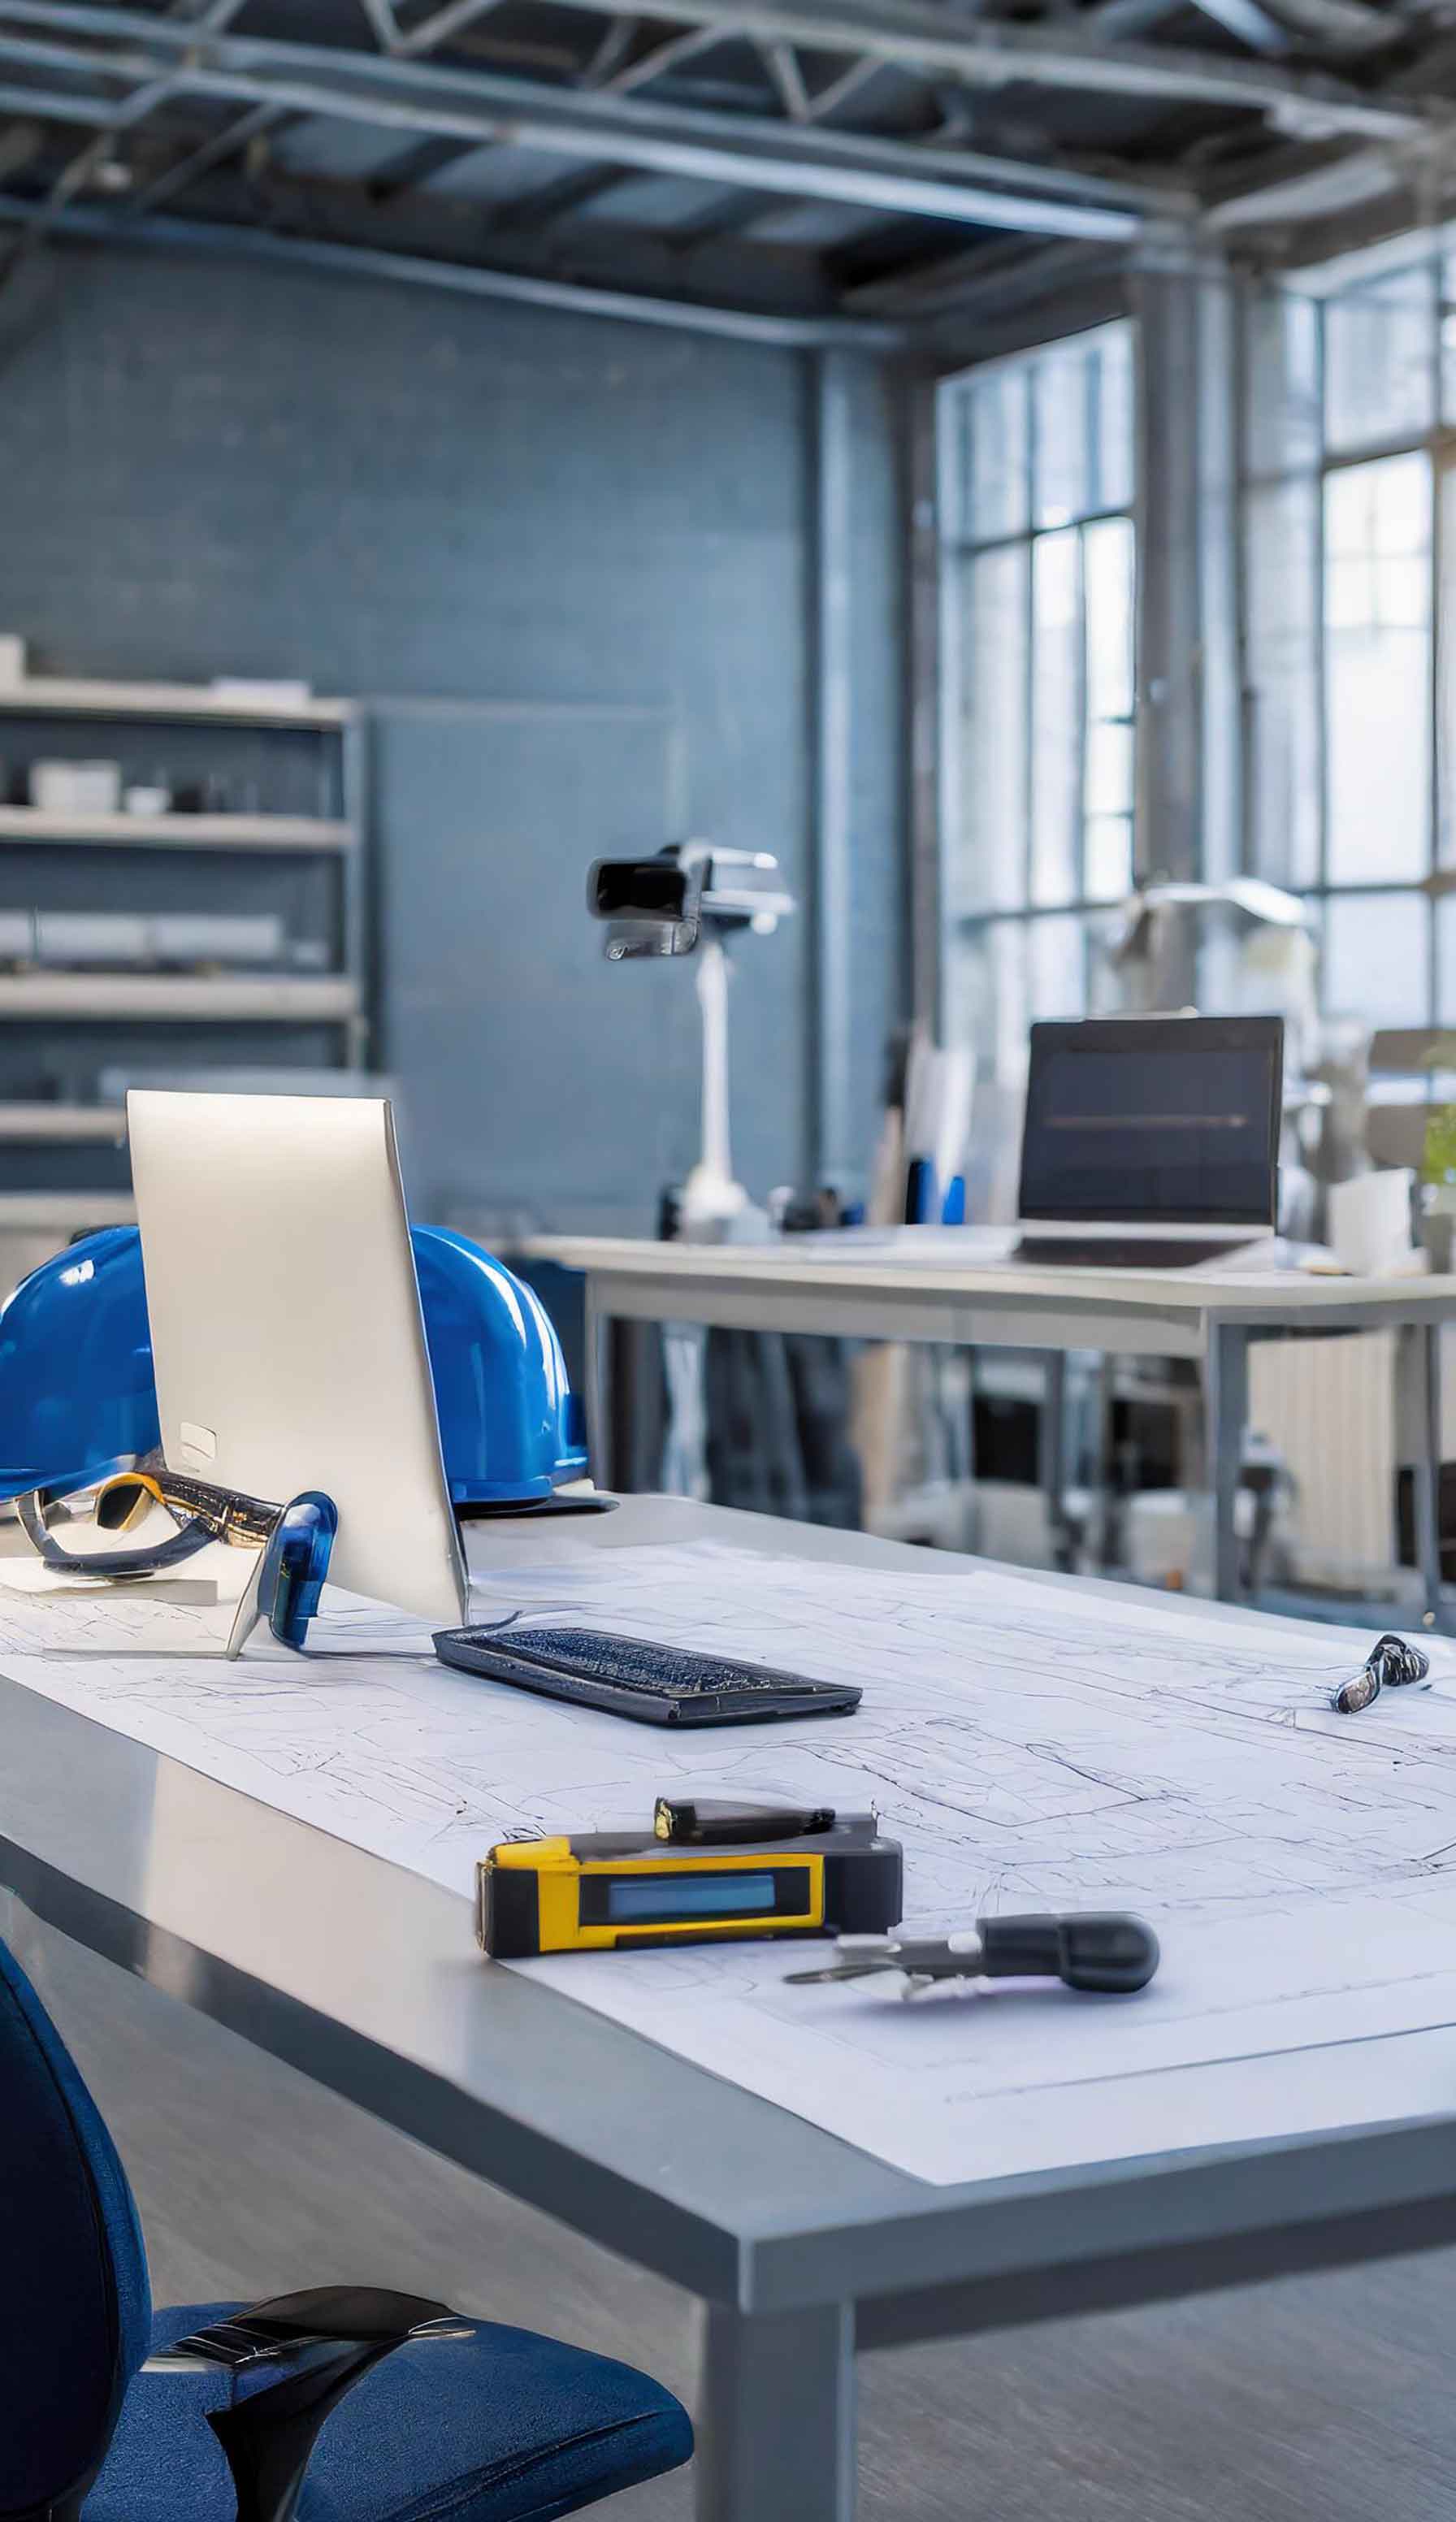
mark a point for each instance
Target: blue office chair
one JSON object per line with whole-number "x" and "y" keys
{"x": 341, "y": 2404}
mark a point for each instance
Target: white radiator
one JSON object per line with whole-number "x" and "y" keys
{"x": 1329, "y": 1409}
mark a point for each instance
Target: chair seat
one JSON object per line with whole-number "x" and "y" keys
{"x": 504, "y": 2426}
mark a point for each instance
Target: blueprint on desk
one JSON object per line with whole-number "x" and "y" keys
{"x": 1033, "y": 1746}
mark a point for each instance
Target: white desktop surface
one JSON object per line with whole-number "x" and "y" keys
{"x": 363, "y": 1974}
{"x": 980, "y": 1261}
{"x": 1032, "y": 1750}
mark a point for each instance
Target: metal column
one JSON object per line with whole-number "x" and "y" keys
{"x": 777, "y": 2424}
{"x": 1188, "y": 719}
{"x": 833, "y": 1153}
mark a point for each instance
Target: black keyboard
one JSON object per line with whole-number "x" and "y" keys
{"x": 1131, "y": 1253}
{"x": 629, "y": 1663}
{"x": 657, "y": 1685}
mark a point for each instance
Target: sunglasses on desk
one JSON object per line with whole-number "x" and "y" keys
{"x": 296, "y": 1539}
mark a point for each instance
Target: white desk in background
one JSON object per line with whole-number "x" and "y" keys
{"x": 1313, "y": 2148}
{"x": 961, "y": 1288}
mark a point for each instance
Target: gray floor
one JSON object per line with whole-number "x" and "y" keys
{"x": 1328, "y": 2397}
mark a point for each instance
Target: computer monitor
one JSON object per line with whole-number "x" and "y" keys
{"x": 1165, "y": 1121}
{"x": 286, "y": 1334}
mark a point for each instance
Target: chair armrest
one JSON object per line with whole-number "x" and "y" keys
{"x": 329, "y": 2337}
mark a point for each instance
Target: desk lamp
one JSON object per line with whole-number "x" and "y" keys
{"x": 676, "y": 902}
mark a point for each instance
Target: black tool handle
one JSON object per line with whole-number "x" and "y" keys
{"x": 698, "y": 1822}
{"x": 1109, "y": 1953}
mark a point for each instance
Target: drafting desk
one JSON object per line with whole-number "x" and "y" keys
{"x": 992, "y": 1302}
{"x": 365, "y": 1977}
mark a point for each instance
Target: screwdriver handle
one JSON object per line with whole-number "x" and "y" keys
{"x": 1111, "y": 1954}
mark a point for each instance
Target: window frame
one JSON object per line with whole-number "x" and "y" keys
{"x": 960, "y": 921}
{"x": 1431, "y": 250}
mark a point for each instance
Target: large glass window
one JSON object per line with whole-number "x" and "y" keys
{"x": 1350, "y": 534}
{"x": 1038, "y": 581}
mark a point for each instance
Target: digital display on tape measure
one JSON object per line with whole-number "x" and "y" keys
{"x": 640, "y": 1899}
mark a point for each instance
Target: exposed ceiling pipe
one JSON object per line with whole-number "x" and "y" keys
{"x": 368, "y": 262}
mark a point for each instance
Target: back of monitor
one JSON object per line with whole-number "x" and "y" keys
{"x": 285, "y": 1325}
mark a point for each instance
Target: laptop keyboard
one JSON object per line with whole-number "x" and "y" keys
{"x": 1132, "y": 1252}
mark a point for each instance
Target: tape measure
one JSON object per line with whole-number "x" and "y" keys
{"x": 705, "y": 1872}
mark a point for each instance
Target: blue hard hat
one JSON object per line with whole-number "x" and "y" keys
{"x": 510, "y": 1427}
{"x": 79, "y": 1399}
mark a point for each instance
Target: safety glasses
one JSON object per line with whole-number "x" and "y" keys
{"x": 203, "y": 1514}
{"x": 220, "y": 1515}
{"x": 296, "y": 1539}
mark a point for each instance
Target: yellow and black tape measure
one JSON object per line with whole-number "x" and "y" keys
{"x": 706, "y": 1871}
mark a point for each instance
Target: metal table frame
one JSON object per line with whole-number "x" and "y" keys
{"x": 802, "y": 2247}
{"x": 1166, "y": 1313}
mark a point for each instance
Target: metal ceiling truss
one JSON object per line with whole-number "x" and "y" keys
{"x": 121, "y": 68}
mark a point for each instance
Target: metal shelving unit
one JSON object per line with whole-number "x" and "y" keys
{"x": 68, "y": 696}
{"x": 60, "y": 1124}
{"x": 169, "y": 998}
{"x": 71, "y": 1136}
{"x": 308, "y": 833}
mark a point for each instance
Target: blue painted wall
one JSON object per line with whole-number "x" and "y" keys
{"x": 208, "y": 468}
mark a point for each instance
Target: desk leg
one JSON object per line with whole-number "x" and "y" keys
{"x": 776, "y": 2417}
{"x": 1225, "y": 1402}
{"x": 1053, "y": 1459}
{"x": 597, "y": 1344}
{"x": 1423, "y": 1344}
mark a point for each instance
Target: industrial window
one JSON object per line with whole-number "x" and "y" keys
{"x": 1035, "y": 462}
{"x": 1349, "y": 472}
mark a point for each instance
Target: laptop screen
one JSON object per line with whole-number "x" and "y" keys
{"x": 1156, "y": 1121}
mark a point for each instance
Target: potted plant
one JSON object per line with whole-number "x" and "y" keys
{"x": 1438, "y": 1166}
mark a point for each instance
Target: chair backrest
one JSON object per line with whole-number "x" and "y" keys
{"x": 75, "y": 2303}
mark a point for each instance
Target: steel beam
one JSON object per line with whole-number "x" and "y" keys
{"x": 425, "y": 99}
{"x": 650, "y": 66}
{"x": 470, "y": 280}
{"x": 1341, "y": 25}
{"x": 1323, "y": 189}
{"x": 481, "y": 107}
{"x": 1116, "y": 20}
{"x": 381, "y": 18}
{"x": 614, "y": 47}
{"x": 1338, "y": 26}
{"x": 57, "y": 105}
{"x": 914, "y": 35}
{"x": 764, "y": 163}
{"x": 445, "y": 24}
{"x": 36, "y": 51}
{"x": 782, "y": 65}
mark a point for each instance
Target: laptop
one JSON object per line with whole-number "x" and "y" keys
{"x": 1150, "y": 1141}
